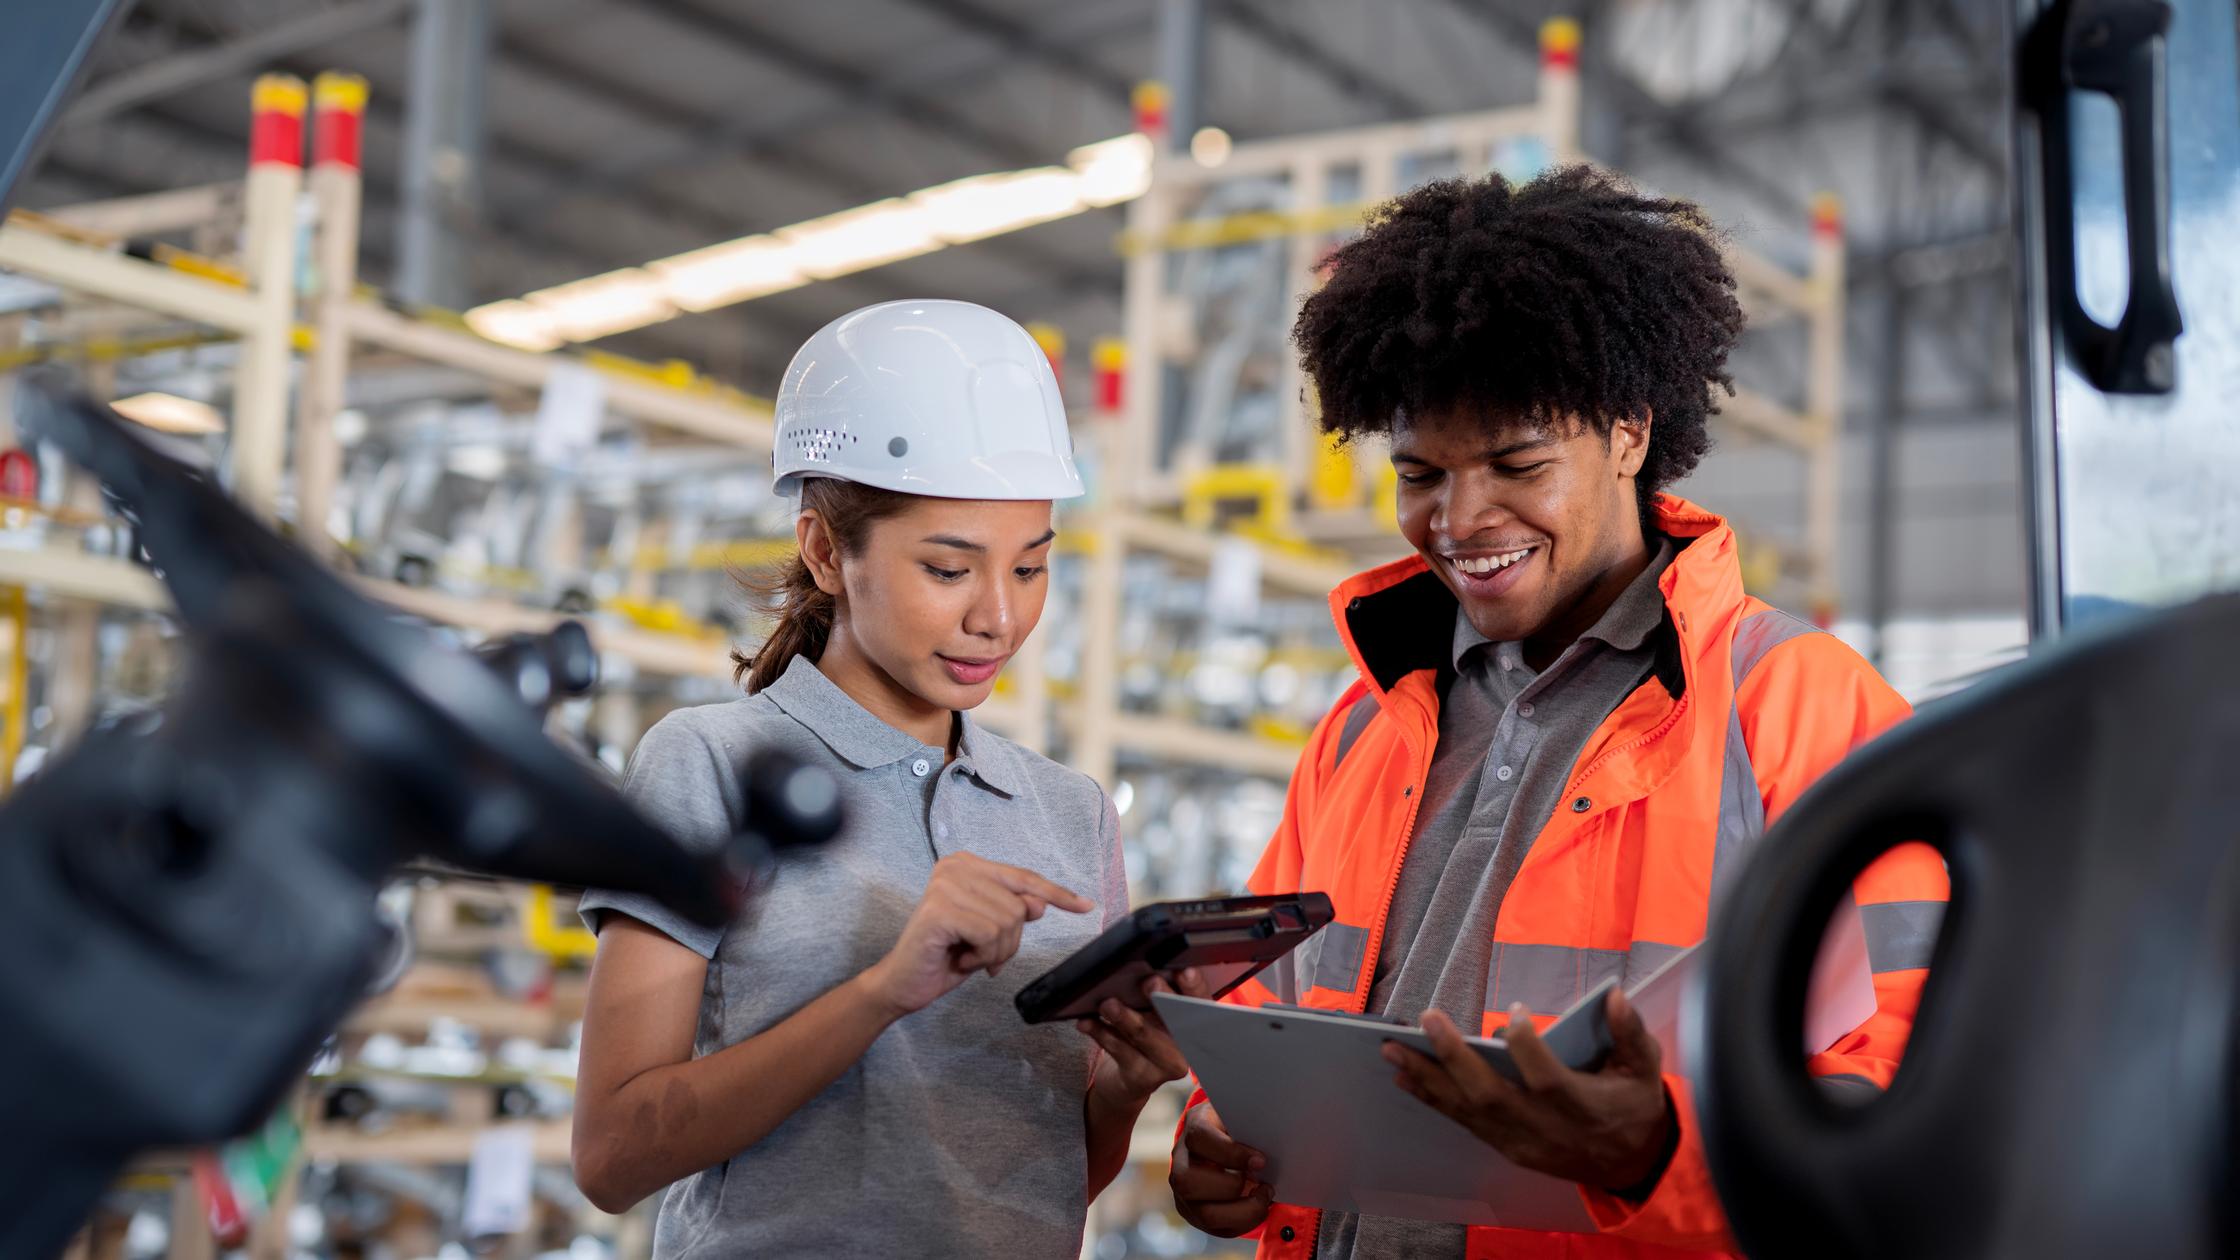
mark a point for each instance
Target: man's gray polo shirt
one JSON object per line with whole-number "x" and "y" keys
{"x": 959, "y": 1133}
{"x": 1508, "y": 738}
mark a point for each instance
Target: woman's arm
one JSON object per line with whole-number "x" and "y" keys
{"x": 1109, "y": 1117}
{"x": 648, "y": 1113}
{"x": 1139, "y": 1056}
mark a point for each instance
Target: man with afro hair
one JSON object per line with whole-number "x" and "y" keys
{"x": 1570, "y": 722}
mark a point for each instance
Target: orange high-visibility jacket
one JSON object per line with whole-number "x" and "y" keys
{"x": 1674, "y": 786}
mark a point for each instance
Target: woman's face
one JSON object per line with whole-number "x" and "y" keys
{"x": 944, "y": 593}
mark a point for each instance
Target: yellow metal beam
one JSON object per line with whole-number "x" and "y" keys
{"x": 118, "y": 278}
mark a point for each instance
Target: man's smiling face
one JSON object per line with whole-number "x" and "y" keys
{"x": 1529, "y": 523}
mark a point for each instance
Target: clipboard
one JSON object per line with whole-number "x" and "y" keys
{"x": 1312, "y": 1092}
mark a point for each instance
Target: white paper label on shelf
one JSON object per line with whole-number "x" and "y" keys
{"x": 498, "y": 1177}
{"x": 1233, "y": 582}
{"x": 569, "y": 415}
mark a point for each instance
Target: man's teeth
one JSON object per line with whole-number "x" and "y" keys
{"x": 1487, "y": 564}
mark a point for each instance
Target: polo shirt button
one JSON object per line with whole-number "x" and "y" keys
{"x": 920, "y": 767}
{"x": 1289, "y": 1233}
{"x": 1503, "y": 774}
{"x": 1525, "y": 709}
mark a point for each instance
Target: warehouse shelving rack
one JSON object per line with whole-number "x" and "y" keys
{"x": 1321, "y": 513}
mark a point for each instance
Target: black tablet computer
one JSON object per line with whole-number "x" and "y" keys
{"x": 1228, "y": 938}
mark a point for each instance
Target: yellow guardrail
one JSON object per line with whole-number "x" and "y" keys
{"x": 1249, "y": 226}
{"x": 561, "y": 942}
{"x": 1263, "y": 485}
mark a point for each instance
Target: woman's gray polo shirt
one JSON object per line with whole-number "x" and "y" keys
{"x": 959, "y": 1133}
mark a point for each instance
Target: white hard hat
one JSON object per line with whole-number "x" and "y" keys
{"x": 938, "y": 398}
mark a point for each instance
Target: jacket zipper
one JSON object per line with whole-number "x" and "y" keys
{"x": 1376, "y": 945}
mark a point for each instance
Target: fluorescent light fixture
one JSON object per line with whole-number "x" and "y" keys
{"x": 973, "y": 209}
{"x": 860, "y": 239}
{"x": 170, "y": 413}
{"x": 750, "y": 267}
{"x": 602, "y": 305}
{"x": 516, "y": 323}
{"x": 990, "y": 205}
{"x": 1115, "y": 170}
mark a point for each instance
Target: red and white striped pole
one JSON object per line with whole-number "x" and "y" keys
{"x": 1052, "y": 339}
{"x": 1109, "y": 359}
{"x": 1150, "y": 100}
{"x": 1559, "y": 87}
{"x": 1824, "y": 401}
{"x": 338, "y": 103}
{"x": 260, "y": 392}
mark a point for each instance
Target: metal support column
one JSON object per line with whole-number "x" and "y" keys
{"x": 1182, "y": 63}
{"x": 443, "y": 150}
{"x": 1127, "y": 443}
{"x": 1882, "y": 474}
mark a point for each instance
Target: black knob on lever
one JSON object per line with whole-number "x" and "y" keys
{"x": 790, "y": 804}
{"x": 544, "y": 669}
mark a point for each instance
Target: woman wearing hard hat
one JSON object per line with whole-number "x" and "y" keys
{"x": 841, "y": 1070}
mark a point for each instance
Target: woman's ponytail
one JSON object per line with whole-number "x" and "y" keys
{"x": 805, "y": 613}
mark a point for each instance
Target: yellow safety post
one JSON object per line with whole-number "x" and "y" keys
{"x": 1263, "y": 485}
{"x": 547, "y": 935}
{"x": 1335, "y": 484}
{"x": 15, "y": 639}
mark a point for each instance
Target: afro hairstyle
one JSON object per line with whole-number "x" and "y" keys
{"x": 1570, "y": 298}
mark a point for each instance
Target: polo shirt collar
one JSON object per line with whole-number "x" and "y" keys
{"x": 865, "y": 741}
{"x": 989, "y": 757}
{"x": 832, "y": 715}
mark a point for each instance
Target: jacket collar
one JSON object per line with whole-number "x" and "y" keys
{"x": 1393, "y": 621}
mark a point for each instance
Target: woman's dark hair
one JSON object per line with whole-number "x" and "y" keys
{"x": 1570, "y": 295}
{"x": 805, "y": 612}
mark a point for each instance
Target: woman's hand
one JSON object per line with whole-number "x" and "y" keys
{"x": 969, "y": 920}
{"x": 1139, "y": 1054}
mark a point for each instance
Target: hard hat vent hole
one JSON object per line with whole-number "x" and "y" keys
{"x": 898, "y": 448}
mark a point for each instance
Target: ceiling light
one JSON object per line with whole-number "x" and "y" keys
{"x": 170, "y": 413}
{"x": 1115, "y": 170}
{"x": 1210, "y": 146}
{"x": 602, "y": 305}
{"x": 750, "y": 267}
{"x": 990, "y": 205}
{"x": 1095, "y": 176}
{"x": 867, "y": 236}
{"x": 516, "y": 323}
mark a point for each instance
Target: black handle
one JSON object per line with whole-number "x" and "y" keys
{"x": 2117, "y": 48}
